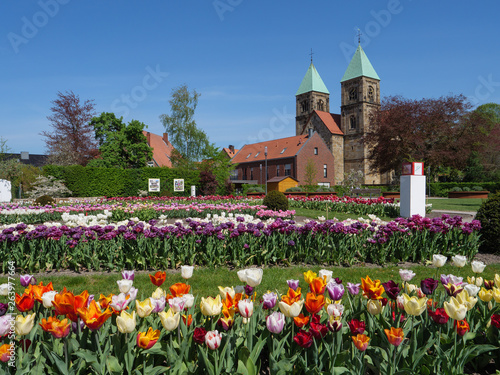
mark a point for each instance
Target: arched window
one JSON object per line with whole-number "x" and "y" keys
{"x": 305, "y": 106}
{"x": 352, "y": 122}
{"x": 371, "y": 94}
{"x": 353, "y": 94}
{"x": 321, "y": 105}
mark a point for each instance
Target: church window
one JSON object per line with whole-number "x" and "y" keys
{"x": 305, "y": 106}
{"x": 353, "y": 94}
{"x": 352, "y": 122}
{"x": 321, "y": 105}
{"x": 371, "y": 94}
{"x": 315, "y": 151}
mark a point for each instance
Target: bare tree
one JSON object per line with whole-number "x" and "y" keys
{"x": 71, "y": 140}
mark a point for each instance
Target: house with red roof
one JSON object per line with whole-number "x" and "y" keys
{"x": 162, "y": 149}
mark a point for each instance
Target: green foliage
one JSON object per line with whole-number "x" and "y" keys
{"x": 276, "y": 200}
{"x": 253, "y": 189}
{"x": 294, "y": 189}
{"x": 441, "y": 189}
{"x": 115, "y": 182}
{"x": 310, "y": 172}
{"x": 48, "y": 185}
{"x": 477, "y": 188}
{"x": 220, "y": 167}
{"x": 489, "y": 216}
{"x": 120, "y": 145}
{"x": 456, "y": 188}
{"x": 45, "y": 200}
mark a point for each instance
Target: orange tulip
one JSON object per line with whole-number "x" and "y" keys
{"x": 158, "y": 278}
{"x": 314, "y": 303}
{"x": 187, "y": 320}
{"x": 395, "y": 335}
{"x": 232, "y": 302}
{"x": 104, "y": 301}
{"x": 66, "y": 303}
{"x": 24, "y": 303}
{"x": 301, "y": 320}
{"x": 371, "y": 289}
{"x": 58, "y": 328}
{"x": 5, "y": 353}
{"x": 317, "y": 285}
{"x": 93, "y": 316}
{"x": 37, "y": 290}
{"x": 461, "y": 326}
{"x": 292, "y": 296}
{"x": 360, "y": 341}
{"x": 227, "y": 320}
{"x": 179, "y": 289}
{"x": 147, "y": 340}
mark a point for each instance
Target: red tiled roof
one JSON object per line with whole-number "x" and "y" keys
{"x": 331, "y": 121}
{"x": 277, "y": 148}
{"x": 229, "y": 152}
{"x": 162, "y": 149}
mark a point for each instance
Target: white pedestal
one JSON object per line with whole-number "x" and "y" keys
{"x": 412, "y": 196}
{"x": 193, "y": 190}
{"x": 5, "y": 192}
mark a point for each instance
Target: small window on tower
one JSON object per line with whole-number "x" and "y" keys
{"x": 371, "y": 94}
{"x": 305, "y": 106}
{"x": 321, "y": 105}
{"x": 353, "y": 94}
{"x": 352, "y": 122}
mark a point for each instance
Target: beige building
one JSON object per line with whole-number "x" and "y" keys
{"x": 343, "y": 133}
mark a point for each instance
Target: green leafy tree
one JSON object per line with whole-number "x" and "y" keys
{"x": 10, "y": 168}
{"x": 310, "y": 172}
{"x": 488, "y": 155}
{"x": 190, "y": 142}
{"x": 219, "y": 166}
{"x": 120, "y": 145}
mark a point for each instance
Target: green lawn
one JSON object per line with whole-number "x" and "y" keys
{"x": 466, "y": 204}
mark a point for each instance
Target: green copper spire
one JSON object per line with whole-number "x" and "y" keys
{"x": 359, "y": 66}
{"x": 312, "y": 82}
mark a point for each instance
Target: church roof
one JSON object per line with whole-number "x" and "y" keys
{"x": 312, "y": 82}
{"x": 331, "y": 121}
{"x": 359, "y": 66}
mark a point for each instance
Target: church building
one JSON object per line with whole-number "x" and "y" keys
{"x": 342, "y": 133}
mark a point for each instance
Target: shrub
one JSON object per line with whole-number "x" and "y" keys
{"x": 466, "y": 188}
{"x": 255, "y": 189}
{"x": 294, "y": 189}
{"x": 45, "y": 200}
{"x": 489, "y": 216}
{"x": 477, "y": 188}
{"x": 456, "y": 188}
{"x": 276, "y": 200}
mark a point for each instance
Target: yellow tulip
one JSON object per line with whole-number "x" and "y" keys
{"x": 455, "y": 309}
{"x": 413, "y": 305}
{"x": 293, "y": 310}
{"x": 374, "y": 307}
{"x": 24, "y": 324}
{"x": 227, "y": 290}
{"x": 409, "y": 288}
{"x": 496, "y": 294}
{"x": 466, "y": 300}
{"x": 158, "y": 293}
{"x": 144, "y": 308}
{"x": 211, "y": 306}
{"x": 309, "y": 276}
{"x": 169, "y": 319}
{"x": 126, "y": 322}
{"x": 497, "y": 280}
{"x": 485, "y": 295}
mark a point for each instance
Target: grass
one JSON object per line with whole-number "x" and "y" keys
{"x": 466, "y": 204}
{"x": 205, "y": 280}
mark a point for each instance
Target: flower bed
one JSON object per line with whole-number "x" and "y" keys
{"x": 133, "y": 244}
{"x": 321, "y": 325}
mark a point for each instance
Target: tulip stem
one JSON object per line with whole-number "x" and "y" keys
{"x": 66, "y": 359}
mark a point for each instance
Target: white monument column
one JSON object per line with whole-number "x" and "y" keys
{"x": 412, "y": 190}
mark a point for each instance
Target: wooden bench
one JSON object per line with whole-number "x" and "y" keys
{"x": 366, "y": 192}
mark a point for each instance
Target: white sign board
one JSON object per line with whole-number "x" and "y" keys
{"x": 154, "y": 185}
{"x": 5, "y": 191}
{"x": 179, "y": 184}
{"x": 412, "y": 193}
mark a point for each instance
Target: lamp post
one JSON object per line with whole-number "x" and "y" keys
{"x": 265, "y": 154}
{"x": 260, "y": 173}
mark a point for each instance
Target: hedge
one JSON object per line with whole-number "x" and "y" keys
{"x": 440, "y": 189}
{"x": 115, "y": 182}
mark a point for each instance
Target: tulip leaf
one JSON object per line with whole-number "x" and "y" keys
{"x": 113, "y": 365}
{"x": 340, "y": 371}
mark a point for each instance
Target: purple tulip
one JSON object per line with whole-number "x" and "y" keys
{"x": 336, "y": 291}
{"x": 128, "y": 275}
{"x": 74, "y": 326}
{"x": 428, "y": 286}
{"x": 248, "y": 290}
{"x": 269, "y": 300}
{"x": 445, "y": 279}
{"x": 335, "y": 325}
{"x": 391, "y": 289}
{"x": 3, "y": 308}
{"x": 158, "y": 304}
{"x": 293, "y": 284}
{"x": 353, "y": 288}
{"x": 275, "y": 322}
{"x": 27, "y": 280}
{"x": 91, "y": 298}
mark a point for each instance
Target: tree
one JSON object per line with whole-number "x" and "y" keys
{"x": 120, "y": 145}
{"x": 189, "y": 141}
{"x": 10, "y": 168}
{"x": 488, "y": 155}
{"x": 310, "y": 172}
{"x": 215, "y": 172}
{"x": 71, "y": 140}
{"x": 441, "y": 132}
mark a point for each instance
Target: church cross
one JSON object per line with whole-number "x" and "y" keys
{"x": 311, "y": 55}
{"x": 359, "y": 36}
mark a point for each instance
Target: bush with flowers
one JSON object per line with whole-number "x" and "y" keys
{"x": 440, "y": 325}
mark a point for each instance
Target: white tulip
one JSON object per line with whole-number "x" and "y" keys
{"x": 459, "y": 260}
{"x": 477, "y": 266}
{"x": 439, "y": 260}
{"x": 325, "y": 273}
{"x": 47, "y": 299}
{"x": 124, "y": 285}
{"x": 187, "y": 272}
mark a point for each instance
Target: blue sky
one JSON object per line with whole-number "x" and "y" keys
{"x": 245, "y": 57}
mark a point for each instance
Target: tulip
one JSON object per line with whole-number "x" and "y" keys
{"x": 326, "y": 275}
{"x": 128, "y": 275}
{"x": 452, "y": 289}
{"x": 93, "y": 316}
{"x": 227, "y": 319}
{"x": 126, "y": 322}
{"x": 303, "y": 339}
{"x": 439, "y": 260}
{"x": 317, "y": 285}
{"x": 495, "y": 320}
{"x": 489, "y": 284}
{"x": 371, "y": 289}
{"x": 335, "y": 309}
{"x": 5, "y": 289}
{"x": 189, "y": 299}
{"x": 179, "y": 289}
{"x": 459, "y": 260}
{"x": 291, "y": 311}
{"x": 360, "y": 341}
{"x": 251, "y": 276}
{"x": 318, "y": 330}
{"x": 24, "y": 324}
{"x": 335, "y": 291}
{"x": 400, "y": 302}
{"x": 292, "y": 296}
{"x": 57, "y": 328}
{"x": 314, "y": 303}
{"x": 395, "y": 335}
{"x": 103, "y": 301}
{"x": 455, "y": 309}
{"x": 158, "y": 278}
{"x": 478, "y": 281}
{"x": 406, "y": 275}
{"x": 497, "y": 280}
{"x": 5, "y": 324}
{"x": 439, "y": 316}
{"x": 158, "y": 304}
{"x": 275, "y": 322}
{"x": 119, "y": 302}
{"x": 188, "y": 320}
{"x": 66, "y": 303}
{"x": 177, "y": 304}
{"x": 211, "y": 306}
{"x": 391, "y": 289}
{"x": 124, "y": 285}
{"x": 147, "y": 339}
{"x": 213, "y": 339}
{"x": 353, "y": 289}
{"x": 26, "y": 280}
{"x": 466, "y": 300}
{"x": 187, "y": 272}
{"x": 226, "y": 290}
{"x": 5, "y": 352}
{"x": 301, "y": 320}
{"x": 48, "y": 298}
{"x": 249, "y": 290}
{"x": 144, "y": 308}
{"x": 170, "y": 319}
{"x": 158, "y": 293}
{"x": 462, "y": 327}
{"x": 374, "y": 307}
{"x": 293, "y": 284}
{"x": 429, "y": 285}
{"x": 477, "y": 266}
{"x": 485, "y": 295}
{"x": 472, "y": 289}
{"x": 356, "y": 326}
{"x": 496, "y": 294}
{"x": 132, "y": 293}
{"x": 334, "y": 325}
{"x": 413, "y": 305}
{"x": 309, "y": 276}
{"x": 24, "y": 303}
{"x": 269, "y": 300}
{"x": 245, "y": 307}
{"x": 199, "y": 335}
